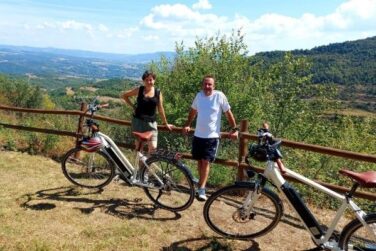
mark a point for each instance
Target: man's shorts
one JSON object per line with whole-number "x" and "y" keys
{"x": 139, "y": 125}
{"x": 204, "y": 149}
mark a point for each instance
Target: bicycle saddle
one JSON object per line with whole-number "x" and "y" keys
{"x": 365, "y": 179}
{"x": 143, "y": 136}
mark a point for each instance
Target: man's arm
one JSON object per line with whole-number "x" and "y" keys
{"x": 234, "y": 129}
{"x": 191, "y": 116}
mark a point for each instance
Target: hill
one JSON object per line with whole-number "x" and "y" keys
{"x": 347, "y": 63}
{"x": 351, "y": 65}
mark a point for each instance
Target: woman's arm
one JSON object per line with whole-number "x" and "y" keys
{"x": 161, "y": 112}
{"x": 130, "y": 93}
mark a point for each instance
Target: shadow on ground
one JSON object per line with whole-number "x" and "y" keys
{"x": 121, "y": 208}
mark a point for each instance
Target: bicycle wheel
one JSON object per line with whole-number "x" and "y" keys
{"x": 224, "y": 213}
{"x": 177, "y": 191}
{"x": 87, "y": 169}
{"x": 356, "y": 237}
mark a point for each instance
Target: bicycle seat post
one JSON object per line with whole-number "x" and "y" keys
{"x": 353, "y": 189}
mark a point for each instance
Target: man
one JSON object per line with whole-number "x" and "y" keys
{"x": 208, "y": 105}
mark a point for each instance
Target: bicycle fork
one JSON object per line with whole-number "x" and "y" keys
{"x": 253, "y": 196}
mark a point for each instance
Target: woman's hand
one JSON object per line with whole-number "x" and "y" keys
{"x": 169, "y": 126}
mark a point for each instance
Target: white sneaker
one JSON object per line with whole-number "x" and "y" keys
{"x": 201, "y": 194}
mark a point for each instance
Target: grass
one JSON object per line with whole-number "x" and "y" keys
{"x": 40, "y": 210}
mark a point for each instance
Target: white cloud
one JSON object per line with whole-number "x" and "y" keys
{"x": 151, "y": 37}
{"x": 364, "y": 9}
{"x": 202, "y": 4}
{"x": 74, "y": 25}
{"x": 166, "y": 24}
{"x": 103, "y": 28}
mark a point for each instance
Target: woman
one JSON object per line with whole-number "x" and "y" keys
{"x": 148, "y": 99}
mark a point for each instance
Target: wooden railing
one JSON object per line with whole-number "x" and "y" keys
{"x": 244, "y": 137}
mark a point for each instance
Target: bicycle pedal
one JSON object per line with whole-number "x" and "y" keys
{"x": 116, "y": 178}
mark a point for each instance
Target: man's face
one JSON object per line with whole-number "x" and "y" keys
{"x": 208, "y": 86}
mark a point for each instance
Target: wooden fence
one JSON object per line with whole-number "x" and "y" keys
{"x": 244, "y": 137}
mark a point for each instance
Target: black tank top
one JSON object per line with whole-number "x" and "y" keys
{"x": 146, "y": 106}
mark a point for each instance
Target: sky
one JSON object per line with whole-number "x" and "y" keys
{"x": 138, "y": 26}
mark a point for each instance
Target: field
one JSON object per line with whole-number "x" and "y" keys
{"x": 41, "y": 210}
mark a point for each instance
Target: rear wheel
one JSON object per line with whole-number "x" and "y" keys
{"x": 357, "y": 237}
{"x": 87, "y": 169}
{"x": 225, "y": 214}
{"x": 171, "y": 187}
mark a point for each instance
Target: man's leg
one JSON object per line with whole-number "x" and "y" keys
{"x": 203, "y": 170}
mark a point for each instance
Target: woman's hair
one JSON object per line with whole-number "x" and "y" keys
{"x": 147, "y": 74}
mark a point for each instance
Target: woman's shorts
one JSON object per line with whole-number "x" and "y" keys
{"x": 204, "y": 148}
{"x": 139, "y": 125}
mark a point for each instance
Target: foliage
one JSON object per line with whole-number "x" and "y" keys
{"x": 19, "y": 93}
{"x": 350, "y": 65}
{"x": 280, "y": 93}
{"x": 113, "y": 87}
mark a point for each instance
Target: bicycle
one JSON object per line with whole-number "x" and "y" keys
{"x": 162, "y": 175}
{"x": 250, "y": 209}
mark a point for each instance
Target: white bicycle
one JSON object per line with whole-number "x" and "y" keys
{"x": 250, "y": 209}
{"x": 162, "y": 175}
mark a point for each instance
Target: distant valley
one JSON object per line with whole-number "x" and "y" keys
{"x": 50, "y": 62}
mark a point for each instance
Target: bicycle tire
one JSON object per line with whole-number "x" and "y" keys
{"x": 354, "y": 236}
{"x": 222, "y": 212}
{"x": 80, "y": 169}
{"x": 177, "y": 192}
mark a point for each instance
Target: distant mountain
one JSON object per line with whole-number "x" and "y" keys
{"x": 351, "y": 66}
{"x": 347, "y": 63}
{"x": 20, "y": 60}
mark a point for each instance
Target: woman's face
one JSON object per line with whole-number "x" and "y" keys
{"x": 149, "y": 81}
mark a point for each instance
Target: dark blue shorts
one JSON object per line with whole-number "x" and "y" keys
{"x": 204, "y": 148}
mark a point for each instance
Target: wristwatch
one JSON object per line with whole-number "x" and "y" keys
{"x": 234, "y": 129}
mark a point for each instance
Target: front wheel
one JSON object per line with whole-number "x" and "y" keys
{"x": 88, "y": 169}
{"x": 355, "y": 236}
{"x": 225, "y": 212}
{"x": 169, "y": 183}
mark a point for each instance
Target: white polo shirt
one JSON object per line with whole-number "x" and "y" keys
{"x": 209, "y": 111}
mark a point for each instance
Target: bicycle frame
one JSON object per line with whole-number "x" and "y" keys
{"x": 124, "y": 165}
{"x": 272, "y": 173}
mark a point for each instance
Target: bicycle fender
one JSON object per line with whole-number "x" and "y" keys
{"x": 186, "y": 169}
{"x": 251, "y": 185}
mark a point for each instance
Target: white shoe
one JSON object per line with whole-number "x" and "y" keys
{"x": 201, "y": 194}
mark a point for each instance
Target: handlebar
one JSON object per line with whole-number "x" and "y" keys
{"x": 95, "y": 106}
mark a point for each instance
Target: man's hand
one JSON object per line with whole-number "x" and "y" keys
{"x": 186, "y": 129}
{"x": 234, "y": 135}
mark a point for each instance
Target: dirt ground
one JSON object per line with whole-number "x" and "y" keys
{"x": 41, "y": 210}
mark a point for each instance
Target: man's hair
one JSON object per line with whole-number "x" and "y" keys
{"x": 147, "y": 74}
{"x": 208, "y": 76}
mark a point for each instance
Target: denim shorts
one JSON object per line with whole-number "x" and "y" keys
{"x": 204, "y": 149}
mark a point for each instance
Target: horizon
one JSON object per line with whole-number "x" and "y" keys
{"x": 156, "y": 52}
{"x": 143, "y": 27}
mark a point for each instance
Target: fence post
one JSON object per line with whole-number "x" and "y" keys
{"x": 242, "y": 148}
{"x": 80, "y": 122}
